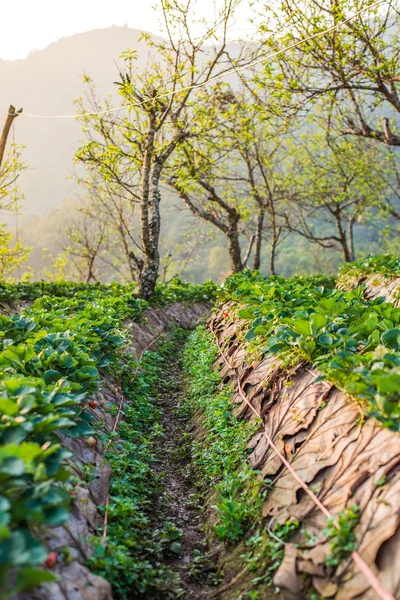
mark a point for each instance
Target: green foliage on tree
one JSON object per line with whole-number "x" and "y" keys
{"x": 12, "y": 254}
{"x": 339, "y": 182}
{"x": 348, "y": 66}
{"x": 128, "y": 150}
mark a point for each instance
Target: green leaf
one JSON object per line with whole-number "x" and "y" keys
{"x": 8, "y": 407}
{"x": 391, "y": 338}
{"x": 176, "y": 547}
{"x": 250, "y": 335}
{"x": 325, "y": 339}
{"x": 302, "y": 327}
{"x": 12, "y": 466}
{"x": 29, "y": 578}
{"x": 51, "y": 376}
{"x": 317, "y": 322}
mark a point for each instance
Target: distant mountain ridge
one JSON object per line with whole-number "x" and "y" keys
{"x": 47, "y": 82}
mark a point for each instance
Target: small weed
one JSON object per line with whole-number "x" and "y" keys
{"x": 267, "y": 551}
{"x": 202, "y": 568}
{"x": 220, "y": 455}
{"x": 133, "y": 560}
{"x": 343, "y": 539}
{"x": 232, "y": 519}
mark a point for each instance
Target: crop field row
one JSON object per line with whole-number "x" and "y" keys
{"x": 69, "y": 342}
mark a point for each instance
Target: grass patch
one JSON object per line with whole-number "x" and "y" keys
{"x": 220, "y": 454}
{"x": 134, "y": 558}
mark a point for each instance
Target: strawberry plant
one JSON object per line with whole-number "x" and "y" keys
{"x": 384, "y": 264}
{"x": 50, "y": 356}
{"x": 355, "y": 343}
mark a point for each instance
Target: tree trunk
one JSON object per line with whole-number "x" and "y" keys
{"x": 11, "y": 115}
{"x": 345, "y": 248}
{"x": 272, "y": 255}
{"x": 151, "y": 260}
{"x": 150, "y": 217}
{"x": 90, "y": 274}
{"x": 350, "y": 231}
{"x": 234, "y": 250}
{"x": 257, "y": 249}
{"x": 148, "y": 277}
{"x": 248, "y": 251}
{"x": 343, "y": 238}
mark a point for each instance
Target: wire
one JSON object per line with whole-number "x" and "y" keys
{"x": 215, "y": 77}
{"x": 372, "y": 579}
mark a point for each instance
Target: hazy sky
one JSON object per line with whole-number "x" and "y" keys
{"x": 29, "y": 25}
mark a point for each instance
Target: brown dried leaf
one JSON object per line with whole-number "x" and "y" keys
{"x": 294, "y": 409}
{"x": 333, "y": 429}
{"x": 286, "y": 576}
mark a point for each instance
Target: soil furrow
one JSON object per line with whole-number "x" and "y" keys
{"x": 180, "y": 502}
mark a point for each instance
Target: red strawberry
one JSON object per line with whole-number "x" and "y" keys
{"x": 119, "y": 389}
{"x": 73, "y": 493}
{"x": 226, "y": 314}
{"x": 93, "y": 404}
{"x": 51, "y": 560}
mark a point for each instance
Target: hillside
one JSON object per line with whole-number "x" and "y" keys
{"x": 47, "y": 82}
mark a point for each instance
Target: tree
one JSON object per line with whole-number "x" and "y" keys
{"x": 11, "y": 165}
{"x": 352, "y": 69}
{"x": 178, "y": 256}
{"x": 129, "y": 149}
{"x": 101, "y": 237}
{"x": 11, "y": 256}
{"x": 86, "y": 239}
{"x": 391, "y": 200}
{"x": 339, "y": 183}
{"x": 199, "y": 170}
{"x": 261, "y": 137}
{"x": 228, "y": 172}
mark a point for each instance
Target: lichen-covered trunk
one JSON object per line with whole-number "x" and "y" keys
{"x": 150, "y": 216}
{"x": 151, "y": 259}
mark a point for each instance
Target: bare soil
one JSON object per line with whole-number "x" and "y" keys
{"x": 180, "y": 503}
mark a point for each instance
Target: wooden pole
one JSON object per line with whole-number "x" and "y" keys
{"x": 11, "y": 115}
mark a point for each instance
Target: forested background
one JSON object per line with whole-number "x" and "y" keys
{"x": 278, "y": 153}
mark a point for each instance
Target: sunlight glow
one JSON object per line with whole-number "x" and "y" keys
{"x": 39, "y": 23}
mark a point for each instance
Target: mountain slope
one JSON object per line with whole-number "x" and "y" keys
{"x": 47, "y": 82}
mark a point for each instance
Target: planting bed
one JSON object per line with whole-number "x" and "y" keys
{"x": 257, "y": 456}
{"x": 68, "y": 368}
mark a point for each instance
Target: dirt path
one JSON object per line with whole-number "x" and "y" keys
{"x": 179, "y": 501}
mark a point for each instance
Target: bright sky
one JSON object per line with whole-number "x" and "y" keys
{"x": 34, "y": 24}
